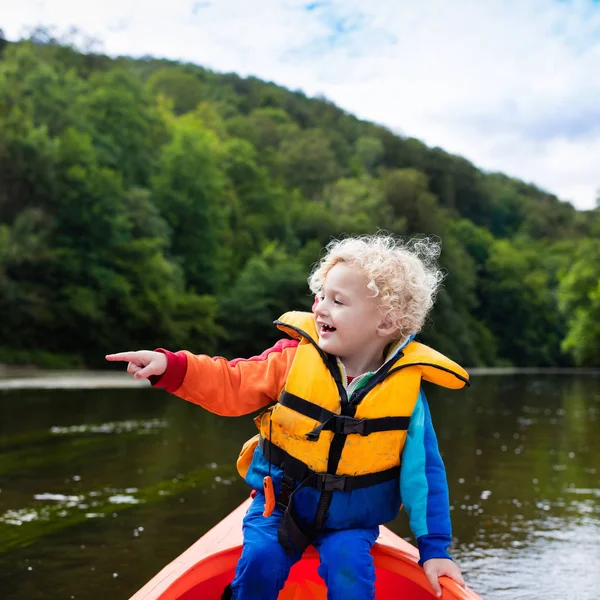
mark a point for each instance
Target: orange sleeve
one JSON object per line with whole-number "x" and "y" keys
{"x": 240, "y": 386}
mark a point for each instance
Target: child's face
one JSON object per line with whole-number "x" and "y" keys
{"x": 348, "y": 318}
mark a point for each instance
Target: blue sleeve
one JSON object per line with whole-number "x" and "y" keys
{"x": 423, "y": 486}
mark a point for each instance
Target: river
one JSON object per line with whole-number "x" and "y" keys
{"x": 100, "y": 488}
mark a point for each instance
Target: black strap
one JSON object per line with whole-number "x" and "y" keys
{"x": 343, "y": 425}
{"x": 325, "y": 482}
{"x": 304, "y": 407}
{"x": 291, "y": 534}
{"x": 340, "y": 424}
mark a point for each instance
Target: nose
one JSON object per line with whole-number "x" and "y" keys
{"x": 314, "y": 306}
{"x": 320, "y": 307}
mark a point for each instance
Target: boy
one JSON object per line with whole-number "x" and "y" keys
{"x": 350, "y": 437}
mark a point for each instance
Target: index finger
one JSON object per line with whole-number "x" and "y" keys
{"x": 124, "y": 356}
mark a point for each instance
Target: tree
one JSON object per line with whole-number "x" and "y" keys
{"x": 258, "y": 213}
{"x": 188, "y": 189}
{"x": 455, "y": 331}
{"x": 136, "y": 195}
{"x": 579, "y": 302}
{"x": 38, "y": 90}
{"x": 406, "y": 192}
{"x": 477, "y": 241}
{"x": 265, "y": 129}
{"x": 269, "y": 285}
{"x": 308, "y": 162}
{"x": 369, "y": 152}
{"x": 517, "y": 304}
{"x": 28, "y": 159}
{"x": 357, "y": 204}
{"x": 184, "y": 89}
{"x": 124, "y": 125}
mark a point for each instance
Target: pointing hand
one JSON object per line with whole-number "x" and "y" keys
{"x": 141, "y": 364}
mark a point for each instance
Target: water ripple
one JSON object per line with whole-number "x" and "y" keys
{"x": 129, "y": 426}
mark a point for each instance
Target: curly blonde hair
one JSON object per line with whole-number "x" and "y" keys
{"x": 403, "y": 274}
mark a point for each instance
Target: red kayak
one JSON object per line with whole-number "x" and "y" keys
{"x": 204, "y": 569}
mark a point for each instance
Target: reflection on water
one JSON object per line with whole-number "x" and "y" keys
{"x": 524, "y": 483}
{"x": 100, "y": 488}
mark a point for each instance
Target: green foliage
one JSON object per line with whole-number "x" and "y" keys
{"x": 455, "y": 331}
{"x": 184, "y": 89}
{"x": 258, "y": 211}
{"x": 518, "y": 304}
{"x": 410, "y": 200}
{"x": 265, "y": 128}
{"x": 39, "y": 358}
{"x": 150, "y": 203}
{"x": 356, "y": 205}
{"x": 188, "y": 190}
{"x": 579, "y": 301}
{"x": 27, "y": 165}
{"x": 266, "y": 288}
{"x": 123, "y": 125}
{"x": 308, "y": 161}
{"x": 369, "y": 152}
{"x": 313, "y": 221}
{"x": 509, "y": 206}
{"x": 477, "y": 241}
{"x": 42, "y": 92}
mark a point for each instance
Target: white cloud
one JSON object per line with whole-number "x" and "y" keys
{"x": 511, "y": 85}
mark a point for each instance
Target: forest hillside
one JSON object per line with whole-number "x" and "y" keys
{"x": 148, "y": 203}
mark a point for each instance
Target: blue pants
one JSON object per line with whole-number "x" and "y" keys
{"x": 346, "y": 562}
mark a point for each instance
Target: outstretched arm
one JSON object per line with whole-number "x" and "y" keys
{"x": 225, "y": 387}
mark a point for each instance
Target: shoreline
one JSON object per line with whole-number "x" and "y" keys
{"x": 31, "y": 378}
{"x": 533, "y": 371}
{"x": 28, "y": 378}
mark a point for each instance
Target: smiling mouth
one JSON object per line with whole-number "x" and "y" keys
{"x": 327, "y": 329}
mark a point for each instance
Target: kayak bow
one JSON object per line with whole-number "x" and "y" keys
{"x": 204, "y": 569}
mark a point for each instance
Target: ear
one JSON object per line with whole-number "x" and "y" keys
{"x": 387, "y": 327}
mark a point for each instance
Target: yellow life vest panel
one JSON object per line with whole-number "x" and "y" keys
{"x": 313, "y": 409}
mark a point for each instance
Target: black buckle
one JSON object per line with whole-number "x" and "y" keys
{"x": 339, "y": 425}
{"x": 345, "y": 425}
{"x": 325, "y": 482}
{"x": 313, "y": 436}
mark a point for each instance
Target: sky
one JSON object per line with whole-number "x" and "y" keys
{"x": 511, "y": 85}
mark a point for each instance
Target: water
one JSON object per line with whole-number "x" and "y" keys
{"x": 101, "y": 488}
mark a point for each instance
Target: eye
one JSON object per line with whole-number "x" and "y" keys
{"x": 336, "y": 301}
